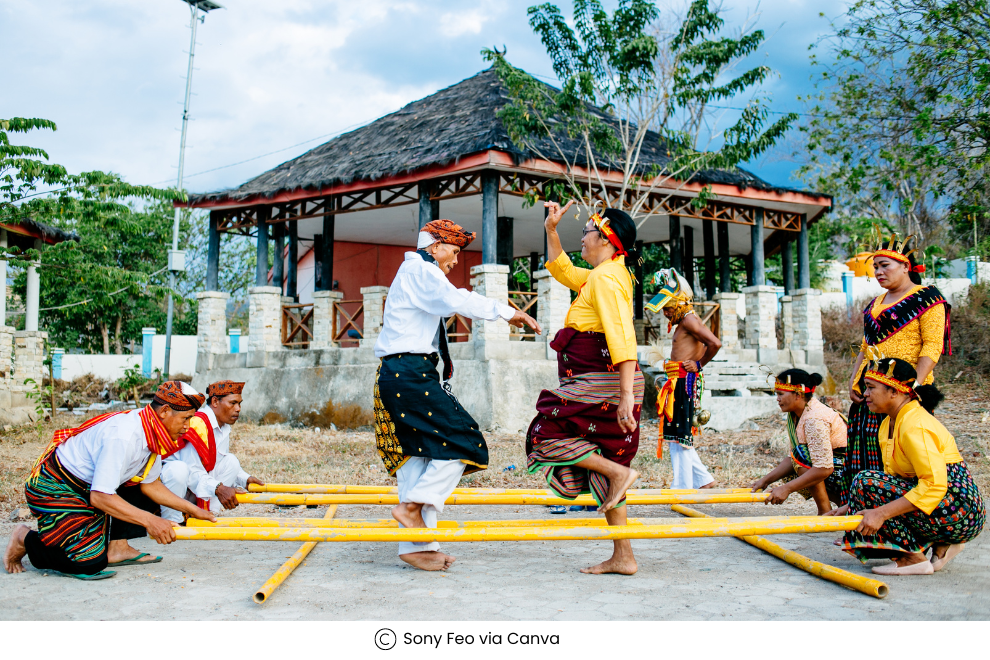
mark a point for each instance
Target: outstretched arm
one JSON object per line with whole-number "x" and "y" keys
{"x": 692, "y": 324}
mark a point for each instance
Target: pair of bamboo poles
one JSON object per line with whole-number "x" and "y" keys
{"x": 314, "y": 530}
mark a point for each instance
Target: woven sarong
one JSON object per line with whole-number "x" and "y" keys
{"x": 416, "y": 416}
{"x": 66, "y": 519}
{"x": 863, "y": 445}
{"x": 801, "y": 457}
{"x": 959, "y": 517}
{"x": 578, "y": 418}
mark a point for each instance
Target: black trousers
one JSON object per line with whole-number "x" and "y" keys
{"x": 54, "y": 558}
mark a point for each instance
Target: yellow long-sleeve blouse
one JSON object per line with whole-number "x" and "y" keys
{"x": 921, "y": 447}
{"x": 922, "y": 337}
{"x": 603, "y": 304}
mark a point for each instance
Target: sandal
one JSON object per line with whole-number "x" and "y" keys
{"x": 557, "y": 509}
{"x": 135, "y": 560}
{"x": 102, "y": 575}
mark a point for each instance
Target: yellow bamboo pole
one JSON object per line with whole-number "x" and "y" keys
{"x": 387, "y": 523}
{"x": 342, "y": 489}
{"x": 543, "y": 498}
{"x": 866, "y": 585}
{"x": 795, "y": 525}
{"x": 262, "y": 594}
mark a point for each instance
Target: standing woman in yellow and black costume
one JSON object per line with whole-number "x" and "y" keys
{"x": 911, "y": 323}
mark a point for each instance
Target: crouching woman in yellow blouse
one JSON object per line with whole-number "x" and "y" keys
{"x": 925, "y": 497}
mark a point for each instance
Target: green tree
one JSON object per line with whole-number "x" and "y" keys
{"x": 628, "y": 85}
{"x": 900, "y": 122}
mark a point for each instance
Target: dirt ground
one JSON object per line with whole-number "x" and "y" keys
{"x": 678, "y": 579}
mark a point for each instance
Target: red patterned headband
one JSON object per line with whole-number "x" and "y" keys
{"x": 897, "y": 256}
{"x": 788, "y": 387}
{"x": 889, "y": 381}
{"x": 602, "y": 225}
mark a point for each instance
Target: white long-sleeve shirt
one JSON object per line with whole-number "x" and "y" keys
{"x": 201, "y": 482}
{"x": 419, "y": 297}
{"x": 110, "y": 453}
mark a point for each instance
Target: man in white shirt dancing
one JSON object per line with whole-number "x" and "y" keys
{"x": 424, "y": 436}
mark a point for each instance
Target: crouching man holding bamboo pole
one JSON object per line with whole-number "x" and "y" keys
{"x": 424, "y": 436}
{"x": 97, "y": 485}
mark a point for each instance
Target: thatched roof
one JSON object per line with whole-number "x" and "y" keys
{"x": 434, "y": 131}
{"x": 25, "y": 226}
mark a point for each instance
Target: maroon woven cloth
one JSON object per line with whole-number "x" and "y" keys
{"x": 578, "y": 418}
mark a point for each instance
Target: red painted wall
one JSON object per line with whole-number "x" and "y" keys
{"x": 357, "y": 265}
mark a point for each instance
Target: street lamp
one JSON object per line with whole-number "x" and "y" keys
{"x": 176, "y": 257}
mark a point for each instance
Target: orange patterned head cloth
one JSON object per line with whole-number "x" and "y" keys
{"x": 446, "y": 231}
{"x": 222, "y": 388}
{"x": 179, "y": 396}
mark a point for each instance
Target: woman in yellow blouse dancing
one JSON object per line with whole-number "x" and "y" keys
{"x": 910, "y": 322}
{"x": 925, "y": 496}
{"x": 586, "y": 432}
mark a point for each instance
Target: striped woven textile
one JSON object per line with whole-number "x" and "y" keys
{"x": 66, "y": 519}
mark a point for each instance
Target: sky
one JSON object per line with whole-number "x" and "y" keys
{"x": 275, "y": 79}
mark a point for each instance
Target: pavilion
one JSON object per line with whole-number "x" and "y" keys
{"x": 343, "y": 214}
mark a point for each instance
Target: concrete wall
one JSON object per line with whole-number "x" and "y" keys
{"x": 109, "y": 367}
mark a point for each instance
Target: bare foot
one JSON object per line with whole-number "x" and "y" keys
{"x": 430, "y": 560}
{"x": 710, "y": 484}
{"x": 622, "y": 566}
{"x": 16, "y": 550}
{"x": 617, "y": 489}
{"x": 409, "y": 514}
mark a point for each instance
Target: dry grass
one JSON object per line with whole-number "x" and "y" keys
{"x": 348, "y": 416}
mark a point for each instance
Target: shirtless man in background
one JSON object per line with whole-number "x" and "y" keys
{"x": 692, "y": 347}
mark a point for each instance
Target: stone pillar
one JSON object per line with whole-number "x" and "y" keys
{"x": 807, "y": 314}
{"x": 211, "y": 323}
{"x": 491, "y": 281}
{"x": 264, "y": 319}
{"x": 728, "y": 320}
{"x": 29, "y": 358}
{"x": 761, "y": 322}
{"x": 6, "y": 350}
{"x": 553, "y": 299}
{"x": 787, "y": 321}
{"x": 323, "y": 318}
{"x": 374, "y": 313}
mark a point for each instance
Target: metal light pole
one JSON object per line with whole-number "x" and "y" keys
{"x": 176, "y": 257}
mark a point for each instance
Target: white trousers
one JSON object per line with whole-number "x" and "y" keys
{"x": 175, "y": 476}
{"x": 689, "y": 471}
{"x": 178, "y": 478}
{"x": 427, "y": 482}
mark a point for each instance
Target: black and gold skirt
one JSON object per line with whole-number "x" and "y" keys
{"x": 416, "y": 416}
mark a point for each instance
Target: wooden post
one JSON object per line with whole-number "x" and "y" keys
{"x": 318, "y": 263}
{"x": 676, "y": 245}
{"x": 212, "y": 255}
{"x": 534, "y": 265}
{"x": 757, "y": 265}
{"x": 638, "y": 269}
{"x": 688, "y": 262}
{"x": 292, "y": 274}
{"x": 748, "y": 263}
{"x": 489, "y": 224}
{"x": 425, "y": 206}
{"x": 326, "y": 256}
{"x": 278, "y": 264}
{"x": 787, "y": 265}
{"x": 804, "y": 264}
{"x": 724, "y": 260}
{"x": 709, "y": 239}
{"x": 434, "y": 209}
{"x": 504, "y": 249}
{"x": 261, "y": 268}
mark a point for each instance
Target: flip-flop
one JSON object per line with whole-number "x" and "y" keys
{"x": 135, "y": 560}
{"x": 102, "y": 575}
{"x": 557, "y": 509}
{"x": 953, "y": 550}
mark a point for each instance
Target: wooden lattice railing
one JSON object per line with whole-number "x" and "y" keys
{"x": 458, "y": 328}
{"x": 343, "y": 321}
{"x": 297, "y": 325}
{"x": 525, "y": 302}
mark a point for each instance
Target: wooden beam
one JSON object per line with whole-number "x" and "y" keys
{"x": 489, "y": 224}
{"x": 261, "y": 267}
{"x": 689, "y": 256}
{"x": 212, "y": 255}
{"x": 725, "y": 263}
{"x": 278, "y": 265}
{"x": 787, "y": 265}
{"x": 757, "y": 265}
{"x": 425, "y": 205}
{"x": 504, "y": 249}
{"x": 326, "y": 256}
{"x": 292, "y": 274}
{"x": 318, "y": 263}
{"x": 708, "y": 229}
{"x": 804, "y": 259}
{"x": 676, "y": 244}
